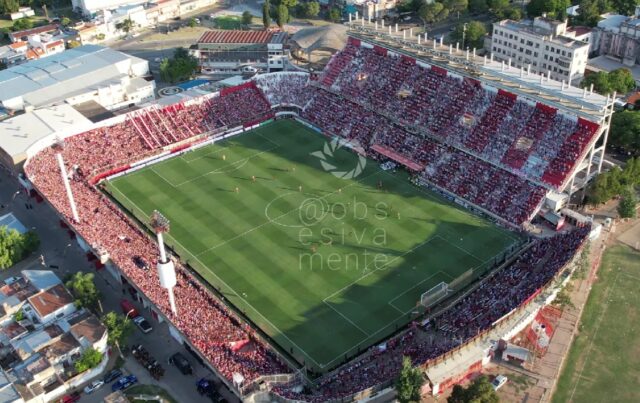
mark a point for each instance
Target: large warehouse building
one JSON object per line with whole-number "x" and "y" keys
{"x": 89, "y": 73}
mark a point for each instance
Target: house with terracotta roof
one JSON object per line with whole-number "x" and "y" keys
{"x": 24, "y": 35}
{"x": 232, "y": 52}
{"x": 50, "y": 304}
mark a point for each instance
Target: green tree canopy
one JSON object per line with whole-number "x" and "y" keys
{"x": 409, "y": 382}
{"x": 555, "y": 9}
{"x": 179, "y": 68}
{"x": 84, "y": 289}
{"x": 590, "y": 11}
{"x": 619, "y": 80}
{"x": 473, "y": 37}
{"x": 456, "y": 5}
{"x": 628, "y": 202}
{"x": 624, "y": 7}
{"x": 334, "y": 14}
{"x": 15, "y": 246}
{"x": 309, "y": 9}
{"x": 288, "y": 3}
{"x": 125, "y": 25}
{"x": 478, "y": 6}
{"x": 614, "y": 182}
{"x": 90, "y": 359}
{"x": 282, "y": 15}
{"x": 9, "y": 6}
{"x": 22, "y": 23}
{"x": 625, "y": 131}
{"x": 433, "y": 12}
{"x": 266, "y": 14}
{"x": 479, "y": 391}
{"x": 119, "y": 328}
{"x": 247, "y": 18}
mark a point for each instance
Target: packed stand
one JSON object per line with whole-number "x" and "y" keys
{"x": 507, "y": 132}
{"x": 496, "y": 297}
{"x": 285, "y": 88}
{"x": 207, "y": 324}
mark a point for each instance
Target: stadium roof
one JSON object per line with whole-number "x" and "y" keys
{"x": 45, "y": 81}
{"x": 237, "y": 37}
{"x": 330, "y": 36}
{"x": 19, "y": 133}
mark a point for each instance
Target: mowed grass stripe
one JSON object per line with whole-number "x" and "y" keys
{"x": 250, "y": 245}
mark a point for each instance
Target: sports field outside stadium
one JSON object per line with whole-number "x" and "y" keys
{"x": 320, "y": 248}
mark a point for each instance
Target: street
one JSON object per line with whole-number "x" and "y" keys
{"x": 64, "y": 257}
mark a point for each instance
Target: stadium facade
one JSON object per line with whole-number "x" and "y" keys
{"x": 456, "y": 163}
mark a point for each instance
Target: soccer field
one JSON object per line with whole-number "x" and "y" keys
{"x": 603, "y": 364}
{"x": 321, "y": 249}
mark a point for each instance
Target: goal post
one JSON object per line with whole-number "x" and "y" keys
{"x": 434, "y": 294}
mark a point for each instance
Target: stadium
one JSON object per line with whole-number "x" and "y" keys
{"x": 324, "y": 226}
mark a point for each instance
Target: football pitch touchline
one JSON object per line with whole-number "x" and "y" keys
{"x": 236, "y": 166}
{"x": 280, "y": 332}
{"x": 218, "y": 151}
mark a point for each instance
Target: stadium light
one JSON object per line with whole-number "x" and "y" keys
{"x": 166, "y": 269}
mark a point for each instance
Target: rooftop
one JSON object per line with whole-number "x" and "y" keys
{"x": 530, "y": 26}
{"x": 229, "y": 36}
{"x": 35, "y": 31}
{"x": 49, "y": 301}
{"x": 41, "y": 279}
{"x": 88, "y": 327}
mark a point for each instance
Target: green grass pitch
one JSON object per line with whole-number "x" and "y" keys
{"x": 603, "y": 364}
{"x": 325, "y": 265}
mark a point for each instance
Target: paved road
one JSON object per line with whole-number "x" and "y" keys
{"x": 64, "y": 257}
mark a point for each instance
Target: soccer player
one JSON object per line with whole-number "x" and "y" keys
{"x": 224, "y": 157}
{"x": 237, "y": 189}
{"x": 300, "y": 188}
{"x": 253, "y": 178}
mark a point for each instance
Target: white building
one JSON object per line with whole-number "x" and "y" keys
{"x": 110, "y": 78}
{"x": 548, "y": 47}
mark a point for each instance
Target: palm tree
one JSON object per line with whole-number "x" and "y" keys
{"x": 125, "y": 26}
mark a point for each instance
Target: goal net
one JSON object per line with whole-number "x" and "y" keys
{"x": 434, "y": 294}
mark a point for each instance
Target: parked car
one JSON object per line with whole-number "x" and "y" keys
{"x": 112, "y": 376}
{"x": 124, "y": 382}
{"x": 181, "y": 363}
{"x": 142, "y": 324}
{"x": 70, "y": 398}
{"x": 207, "y": 388}
{"x": 499, "y": 381}
{"x": 90, "y": 388}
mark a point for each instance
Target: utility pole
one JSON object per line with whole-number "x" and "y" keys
{"x": 464, "y": 32}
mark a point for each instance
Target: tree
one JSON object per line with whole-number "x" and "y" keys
{"x": 15, "y": 246}
{"x": 282, "y": 15}
{"x": 432, "y": 13}
{"x": 192, "y": 23}
{"x": 65, "y": 21}
{"x": 179, "y": 68}
{"x": 247, "y": 18}
{"x": 334, "y": 14}
{"x": 119, "y": 329}
{"x": 496, "y": 5}
{"x": 625, "y": 131}
{"x": 510, "y": 13}
{"x": 456, "y": 5}
{"x": 90, "y": 358}
{"x": 473, "y": 37}
{"x": 266, "y": 14}
{"x": 619, "y": 80}
{"x": 628, "y": 202}
{"x": 478, "y": 6}
{"x": 624, "y": 7}
{"x": 309, "y": 9}
{"x": 554, "y": 9}
{"x": 22, "y": 24}
{"x": 288, "y": 3}
{"x": 84, "y": 289}
{"x": 590, "y": 11}
{"x": 9, "y": 6}
{"x": 409, "y": 382}
{"x": 479, "y": 391}
{"x": 100, "y": 36}
{"x": 125, "y": 25}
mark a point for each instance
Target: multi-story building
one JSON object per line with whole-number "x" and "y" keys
{"x": 236, "y": 52}
{"x": 546, "y": 47}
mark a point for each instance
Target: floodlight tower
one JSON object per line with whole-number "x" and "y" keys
{"x": 166, "y": 269}
{"x": 59, "y": 147}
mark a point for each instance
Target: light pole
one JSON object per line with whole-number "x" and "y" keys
{"x": 10, "y": 200}
{"x": 464, "y": 32}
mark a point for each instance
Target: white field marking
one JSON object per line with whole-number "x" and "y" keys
{"x": 414, "y": 286}
{"x": 162, "y": 177}
{"x": 269, "y": 221}
{"x": 347, "y": 319}
{"x": 595, "y": 334}
{"x": 220, "y": 148}
{"x": 224, "y": 170}
{"x": 227, "y": 286}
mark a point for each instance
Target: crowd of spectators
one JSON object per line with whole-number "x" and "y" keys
{"x": 477, "y": 312}
{"x": 207, "y": 323}
{"x": 285, "y": 88}
{"x": 530, "y": 139}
